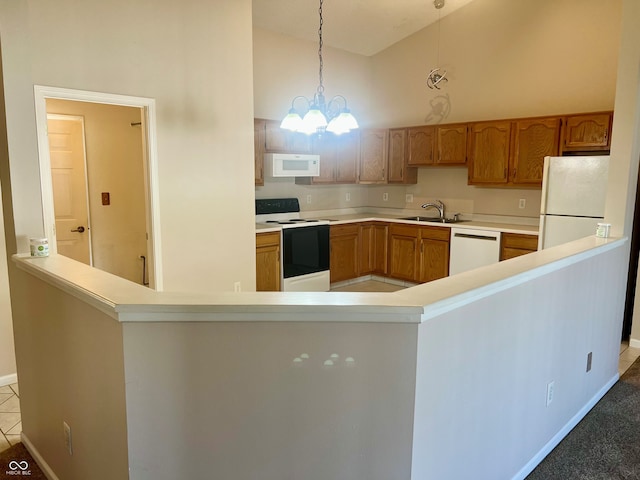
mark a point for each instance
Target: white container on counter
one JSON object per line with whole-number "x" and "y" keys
{"x": 603, "y": 229}
{"x": 39, "y": 247}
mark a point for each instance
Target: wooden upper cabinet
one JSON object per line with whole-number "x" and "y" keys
{"x": 399, "y": 170}
{"x": 338, "y": 159}
{"x": 374, "y": 148}
{"x": 278, "y": 140}
{"x": 488, "y": 153}
{"x": 533, "y": 140}
{"x": 347, "y": 155}
{"x": 259, "y": 127}
{"x": 421, "y": 145}
{"x": 451, "y": 144}
{"x": 588, "y": 132}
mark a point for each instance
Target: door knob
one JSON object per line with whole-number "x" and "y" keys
{"x": 79, "y": 229}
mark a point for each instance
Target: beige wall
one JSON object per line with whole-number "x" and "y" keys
{"x": 505, "y": 59}
{"x": 194, "y": 59}
{"x": 71, "y": 367}
{"x": 115, "y": 165}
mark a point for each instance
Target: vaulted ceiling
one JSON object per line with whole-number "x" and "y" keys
{"x": 359, "y": 26}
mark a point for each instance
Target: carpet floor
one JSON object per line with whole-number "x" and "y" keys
{"x": 605, "y": 445}
{"x": 17, "y": 462}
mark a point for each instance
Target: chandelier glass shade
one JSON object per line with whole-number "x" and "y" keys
{"x": 317, "y": 116}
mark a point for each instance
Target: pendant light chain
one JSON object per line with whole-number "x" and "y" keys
{"x": 320, "y": 85}
{"x": 321, "y": 116}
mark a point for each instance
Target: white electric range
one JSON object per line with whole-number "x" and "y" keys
{"x": 304, "y": 245}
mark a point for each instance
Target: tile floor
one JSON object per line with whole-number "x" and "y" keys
{"x": 10, "y": 424}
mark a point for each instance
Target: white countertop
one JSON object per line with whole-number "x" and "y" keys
{"x": 368, "y": 217}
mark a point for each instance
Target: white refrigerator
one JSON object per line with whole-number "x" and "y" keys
{"x": 573, "y": 196}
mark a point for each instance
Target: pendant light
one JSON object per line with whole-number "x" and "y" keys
{"x": 319, "y": 116}
{"x": 437, "y": 76}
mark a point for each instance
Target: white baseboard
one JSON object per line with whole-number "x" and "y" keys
{"x": 8, "y": 379}
{"x": 557, "y": 438}
{"x": 44, "y": 466}
{"x": 634, "y": 343}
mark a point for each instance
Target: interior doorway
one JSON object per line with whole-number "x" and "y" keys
{"x": 111, "y": 136}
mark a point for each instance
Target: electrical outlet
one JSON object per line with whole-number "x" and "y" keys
{"x": 347, "y": 197}
{"x": 589, "y": 358}
{"x": 67, "y": 437}
{"x": 522, "y": 203}
{"x": 408, "y": 198}
{"x": 237, "y": 287}
{"x": 385, "y": 197}
{"x": 550, "y": 389}
{"x": 308, "y": 198}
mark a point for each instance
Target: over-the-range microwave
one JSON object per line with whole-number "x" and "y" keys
{"x": 292, "y": 165}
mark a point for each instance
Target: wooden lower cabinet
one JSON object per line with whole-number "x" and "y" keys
{"x": 268, "y": 262}
{"x": 418, "y": 254}
{"x": 373, "y": 248}
{"x": 516, "y": 244}
{"x": 344, "y": 246}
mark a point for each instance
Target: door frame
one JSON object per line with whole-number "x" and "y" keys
{"x": 150, "y": 160}
{"x": 56, "y": 116}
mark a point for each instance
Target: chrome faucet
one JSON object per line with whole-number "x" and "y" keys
{"x": 438, "y": 205}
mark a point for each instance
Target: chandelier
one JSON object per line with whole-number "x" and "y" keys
{"x": 319, "y": 115}
{"x": 437, "y": 75}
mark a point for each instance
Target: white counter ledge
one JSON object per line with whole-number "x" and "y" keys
{"x": 397, "y": 218}
{"x": 127, "y": 301}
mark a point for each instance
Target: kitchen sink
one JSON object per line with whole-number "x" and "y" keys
{"x": 433, "y": 219}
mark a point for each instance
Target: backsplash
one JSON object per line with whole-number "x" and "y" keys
{"x": 448, "y": 184}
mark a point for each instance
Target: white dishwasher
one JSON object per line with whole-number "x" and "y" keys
{"x": 472, "y": 248}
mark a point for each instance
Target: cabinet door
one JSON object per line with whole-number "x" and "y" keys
{"x": 434, "y": 253}
{"x": 348, "y": 151}
{"x": 451, "y": 145}
{"x": 399, "y": 170}
{"x": 587, "y": 132}
{"x": 344, "y": 252}
{"x": 533, "y": 140}
{"x": 268, "y": 262}
{"x": 259, "y": 127}
{"x": 373, "y": 248}
{"x": 403, "y": 252}
{"x": 489, "y": 152}
{"x": 421, "y": 143}
{"x": 374, "y": 146}
{"x": 325, "y": 146}
{"x": 278, "y": 140}
{"x": 434, "y": 259}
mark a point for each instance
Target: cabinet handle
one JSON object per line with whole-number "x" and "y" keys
{"x": 401, "y": 172}
{"x": 515, "y": 170}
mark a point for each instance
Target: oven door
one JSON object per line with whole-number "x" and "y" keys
{"x": 305, "y": 250}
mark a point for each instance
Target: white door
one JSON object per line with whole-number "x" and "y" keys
{"x": 69, "y": 181}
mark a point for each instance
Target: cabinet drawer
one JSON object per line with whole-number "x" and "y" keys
{"x": 436, "y": 233}
{"x": 340, "y": 230}
{"x": 270, "y": 238}
{"x": 520, "y": 241}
